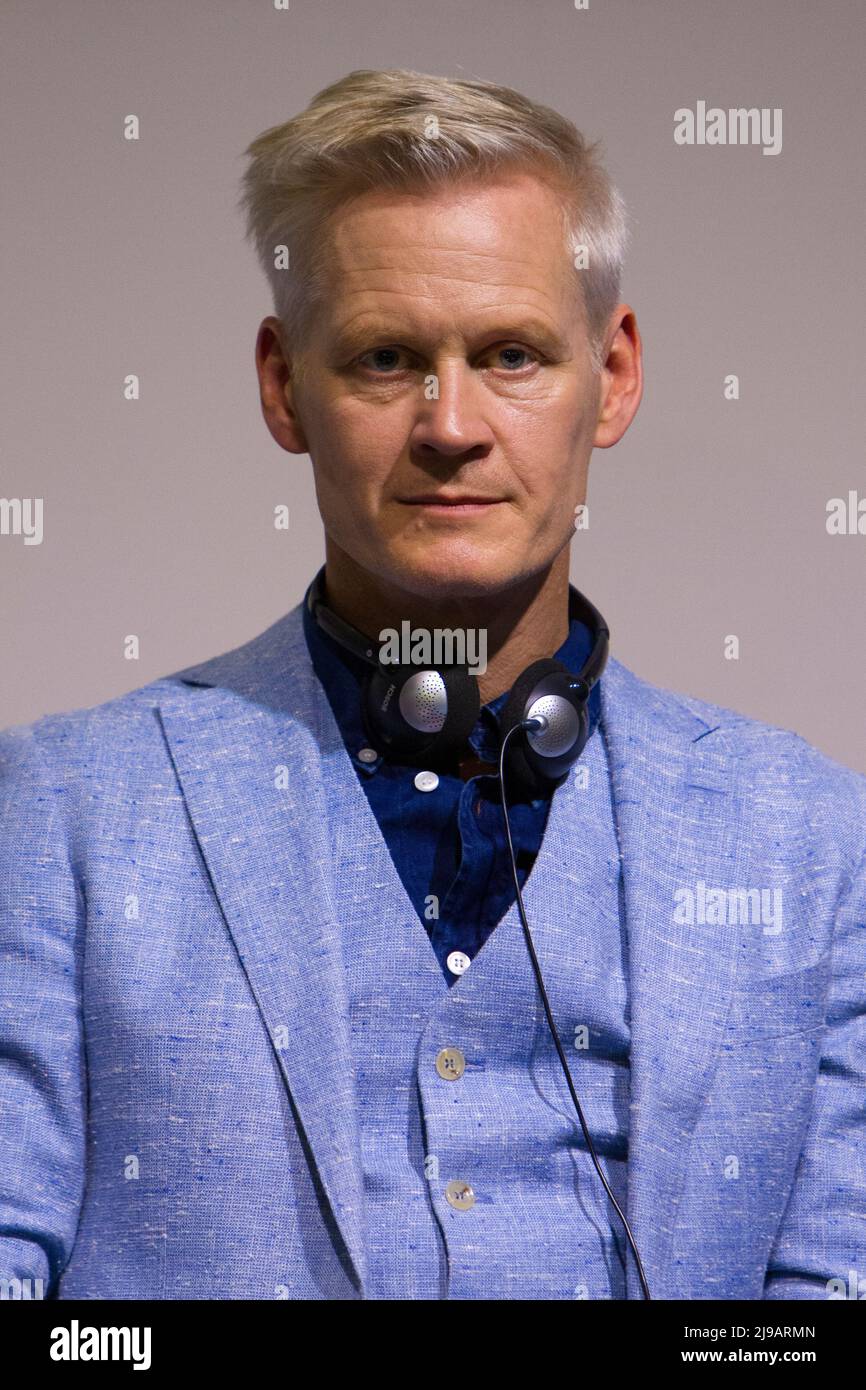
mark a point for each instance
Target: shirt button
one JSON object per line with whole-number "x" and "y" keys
{"x": 367, "y": 755}
{"x": 459, "y": 1195}
{"x": 457, "y": 962}
{"x": 450, "y": 1063}
{"x": 426, "y": 781}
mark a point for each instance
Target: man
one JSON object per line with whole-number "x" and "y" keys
{"x": 271, "y": 1025}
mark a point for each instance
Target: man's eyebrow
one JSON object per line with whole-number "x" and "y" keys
{"x": 358, "y": 337}
{"x": 530, "y": 329}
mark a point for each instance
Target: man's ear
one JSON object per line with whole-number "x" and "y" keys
{"x": 621, "y": 378}
{"x": 276, "y": 387}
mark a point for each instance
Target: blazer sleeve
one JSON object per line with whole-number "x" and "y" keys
{"x": 820, "y": 1248}
{"x": 42, "y": 1072}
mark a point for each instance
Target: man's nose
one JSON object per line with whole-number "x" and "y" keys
{"x": 450, "y": 418}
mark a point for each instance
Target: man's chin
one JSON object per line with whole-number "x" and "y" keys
{"x": 442, "y": 574}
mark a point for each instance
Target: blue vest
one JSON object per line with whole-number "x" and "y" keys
{"x": 495, "y": 1115}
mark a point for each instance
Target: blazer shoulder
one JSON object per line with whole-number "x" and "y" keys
{"x": 127, "y": 725}
{"x": 776, "y": 763}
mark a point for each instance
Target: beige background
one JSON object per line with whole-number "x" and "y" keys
{"x": 708, "y": 518}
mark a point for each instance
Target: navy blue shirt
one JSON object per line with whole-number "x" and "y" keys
{"x": 448, "y": 845}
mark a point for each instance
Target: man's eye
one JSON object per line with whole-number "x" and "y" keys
{"x": 513, "y": 357}
{"x": 382, "y": 360}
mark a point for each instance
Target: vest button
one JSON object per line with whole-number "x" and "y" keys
{"x": 459, "y": 1195}
{"x": 457, "y": 962}
{"x": 450, "y": 1063}
{"x": 426, "y": 781}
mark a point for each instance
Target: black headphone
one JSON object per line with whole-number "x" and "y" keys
{"x": 423, "y": 716}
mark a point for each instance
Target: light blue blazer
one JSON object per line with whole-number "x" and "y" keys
{"x": 177, "y": 1110}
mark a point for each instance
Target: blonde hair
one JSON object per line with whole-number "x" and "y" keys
{"x": 409, "y": 130}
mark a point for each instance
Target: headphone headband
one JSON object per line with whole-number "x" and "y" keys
{"x": 352, "y": 640}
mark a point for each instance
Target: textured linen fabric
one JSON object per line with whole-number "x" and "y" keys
{"x": 178, "y": 1074}
{"x": 449, "y": 845}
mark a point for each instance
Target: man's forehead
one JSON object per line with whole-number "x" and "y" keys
{"x": 485, "y": 249}
{"x": 480, "y": 228}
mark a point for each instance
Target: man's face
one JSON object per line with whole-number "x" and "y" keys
{"x": 447, "y": 399}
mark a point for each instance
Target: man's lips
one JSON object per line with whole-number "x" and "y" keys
{"x": 451, "y": 502}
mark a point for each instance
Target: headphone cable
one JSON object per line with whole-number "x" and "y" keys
{"x": 528, "y": 726}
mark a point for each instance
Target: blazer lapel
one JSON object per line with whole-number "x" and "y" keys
{"x": 678, "y": 821}
{"x": 245, "y": 737}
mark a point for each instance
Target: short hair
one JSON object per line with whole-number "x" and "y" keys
{"x": 376, "y": 129}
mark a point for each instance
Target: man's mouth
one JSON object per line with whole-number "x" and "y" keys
{"x": 452, "y": 502}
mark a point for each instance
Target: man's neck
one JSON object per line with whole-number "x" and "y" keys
{"x": 524, "y": 623}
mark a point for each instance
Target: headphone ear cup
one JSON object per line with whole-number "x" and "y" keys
{"x": 529, "y": 772}
{"x": 422, "y": 716}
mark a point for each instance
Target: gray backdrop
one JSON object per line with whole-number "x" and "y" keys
{"x": 708, "y": 519}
